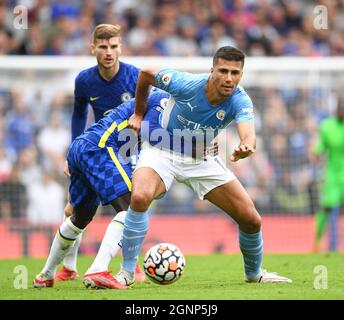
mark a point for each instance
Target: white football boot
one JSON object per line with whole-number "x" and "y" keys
{"x": 125, "y": 277}
{"x": 265, "y": 277}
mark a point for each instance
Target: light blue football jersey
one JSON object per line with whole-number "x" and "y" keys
{"x": 189, "y": 108}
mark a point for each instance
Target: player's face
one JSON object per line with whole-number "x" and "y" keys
{"x": 107, "y": 52}
{"x": 226, "y": 76}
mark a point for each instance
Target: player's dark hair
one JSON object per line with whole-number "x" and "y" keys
{"x": 106, "y": 31}
{"x": 229, "y": 53}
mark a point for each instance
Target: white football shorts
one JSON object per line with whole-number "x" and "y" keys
{"x": 201, "y": 176}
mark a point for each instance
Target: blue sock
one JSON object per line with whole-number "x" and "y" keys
{"x": 251, "y": 246}
{"x": 333, "y": 228}
{"x": 135, "y": 229}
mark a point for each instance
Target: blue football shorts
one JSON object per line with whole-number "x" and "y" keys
{"x": 97, "y": 174}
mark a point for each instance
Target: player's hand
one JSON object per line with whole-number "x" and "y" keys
{"x": 66, "y": 169}
{"x": 134, "y": 122}
{"x": 241, "y": 152}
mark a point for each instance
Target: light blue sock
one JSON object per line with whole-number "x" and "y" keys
{"x": 135, "y": 229}
{"x": 333, "y": 228}
{"x": 251, "y": 246}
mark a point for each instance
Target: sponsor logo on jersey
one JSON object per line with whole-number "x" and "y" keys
{"x": 190, "y": 106}
{"x": 249, "y": 112}
{"x": 166, "y": 78}
{"x": 126, "y": 96}
{"x": 191, "y": 125}
{"x": 94, "y": 98}
{"x": 220, "y": 114}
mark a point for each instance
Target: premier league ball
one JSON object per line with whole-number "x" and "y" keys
{"x": 164, "y": 263}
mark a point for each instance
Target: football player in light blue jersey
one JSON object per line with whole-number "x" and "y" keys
{"x": 199, "y": 103}
{"x": 190, "y": 107}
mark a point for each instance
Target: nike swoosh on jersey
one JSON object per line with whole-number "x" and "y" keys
{"x": 94, "y": 98}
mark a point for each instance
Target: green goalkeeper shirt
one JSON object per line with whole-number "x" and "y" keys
{"x": 331, "y": 141}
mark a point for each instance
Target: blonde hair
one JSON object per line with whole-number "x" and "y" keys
{"x": 106, "y": 31}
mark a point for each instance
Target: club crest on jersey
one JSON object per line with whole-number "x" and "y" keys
{"x": 126, "y": 96}
{"x": 166, "y": 78}
{"x": 220, "y": 114}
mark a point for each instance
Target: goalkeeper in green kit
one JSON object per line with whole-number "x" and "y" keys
{"x": 331, "y": 143}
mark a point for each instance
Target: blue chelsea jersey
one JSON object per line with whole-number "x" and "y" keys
{"x": 102, "y": 95}
{"x": 189, "y": 108}
{"x": 106, "y": 131}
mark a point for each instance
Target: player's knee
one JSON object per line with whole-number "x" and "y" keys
{"x": 256, "y": 223}
{"x": 80, "y": 222}
{"x": 253, "y": 222}
{"x": 82, "y": 216}
{"x": 140, "y": 201}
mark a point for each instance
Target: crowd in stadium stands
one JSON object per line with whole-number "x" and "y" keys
{"x": 279, "y": 177}
{"x": 176, "y": 28}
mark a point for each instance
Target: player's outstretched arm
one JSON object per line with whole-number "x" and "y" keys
{"x": 144, "y": 81}
{"x": 247, "y": 146}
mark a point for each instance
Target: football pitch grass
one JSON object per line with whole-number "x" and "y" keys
{"x": 212, "y": 277}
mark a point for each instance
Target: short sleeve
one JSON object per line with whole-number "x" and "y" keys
{"x": 243, "y": 109}
{"x": 170, "y": 80}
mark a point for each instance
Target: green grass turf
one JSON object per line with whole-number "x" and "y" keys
{"x": 213, "y": 277}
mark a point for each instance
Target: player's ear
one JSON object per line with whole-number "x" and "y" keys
{"x": 242, "y": 72}
{"x": 120, "y": 48}
{"x": 211, "y": 70}
{"x": 92, "y": 47}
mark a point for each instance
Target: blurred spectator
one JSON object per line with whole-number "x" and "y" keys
{"x": 53, "y": 141}
{"x": 35, "y": 42}
{"x": 31, "y": 170}
{"x": 46, "y": 199}
{"x": 5, "y": 165}
{"x": 238, "y": 12}
{"x": 5, "y": 42}
{"x": 19, "y": 127}
{"x": 13, "y": 196}
{"x": 217, "y": 37}
{"x": 10, "y": 37}
{"x": 141, "y": 36}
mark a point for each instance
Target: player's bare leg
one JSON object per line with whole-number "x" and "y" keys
{"x": 144, "y": 193}
{"x": 233, "y": 199}
{"x": 136, "y": 223}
